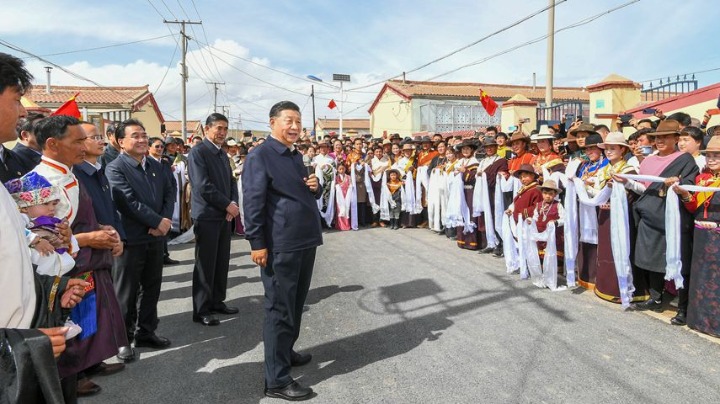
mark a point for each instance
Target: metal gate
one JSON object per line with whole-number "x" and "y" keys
{"x": 553, "y": 114}
{"x": 669, "y": 88}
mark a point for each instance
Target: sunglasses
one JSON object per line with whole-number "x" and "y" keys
{"x": 159, "y": 146}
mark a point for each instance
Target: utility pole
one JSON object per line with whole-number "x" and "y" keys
{"x": 550, "y": 55}
{"x": 184, "y": 72}
{"x": 215, "y": 84}
{"x": 312, "y": 95}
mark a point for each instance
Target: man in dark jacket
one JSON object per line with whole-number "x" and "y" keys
{"x": 283, "y": 226}
{"x": 27, "y": 149}
{"x": 214, "y": 205}
{"x": 144, "y": 197}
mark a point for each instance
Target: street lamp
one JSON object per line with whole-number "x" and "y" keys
{"x": 341, "y": 78}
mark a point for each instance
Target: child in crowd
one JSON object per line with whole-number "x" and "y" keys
{"x": 547, "y": 211}
{"x": 342, "y": 198}
{"x": 37, "y": 198}
{"x": 394, "y": 185}
{"x": 528, "y": 196}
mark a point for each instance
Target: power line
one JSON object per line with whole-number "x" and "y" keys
{"x": 501, "y": 30}
{"x": 168, "y": 9}
{"x": 683, "y": 74}
{"x": 212, "y": 57}
{"x": 538, "y": 39}
{"x": 107, "y": 46}
{"x": 170, "y": 65}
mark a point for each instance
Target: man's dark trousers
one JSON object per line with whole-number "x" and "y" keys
{"x": 286, "y": 280}
{"x": 139, "y": 270}
{"x": 212, "y": 261}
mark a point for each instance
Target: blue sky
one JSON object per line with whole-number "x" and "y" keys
{"x": 371, "y": 40}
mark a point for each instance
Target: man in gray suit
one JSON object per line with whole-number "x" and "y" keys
{"x": 214, "y": 205}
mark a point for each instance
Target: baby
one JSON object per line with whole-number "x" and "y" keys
{"x": 37, "y": 198}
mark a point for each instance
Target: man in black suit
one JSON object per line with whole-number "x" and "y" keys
{"x": 214, "y": 205}
{"x": 282, "y": 223}
{"x": 27, "y": 149}
{"x": 112, "y": 149}
{"x": 144, "y": 197}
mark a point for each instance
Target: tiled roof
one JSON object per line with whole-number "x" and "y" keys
{"x": 88, "y": 95}
{"x": 498, "y": 92}
{"x": 348, "y": 124}
{"x": 176, "y": 126}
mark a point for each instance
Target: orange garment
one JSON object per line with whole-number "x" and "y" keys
{"x": 515, "y": 162}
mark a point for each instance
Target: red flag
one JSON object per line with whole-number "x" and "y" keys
{"x": 332, "y": 104}
{"x": 488, "y": 103}
{"x": 70, "y": 108}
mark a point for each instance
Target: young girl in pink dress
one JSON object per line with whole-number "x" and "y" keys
{"x": 342, "y": 198}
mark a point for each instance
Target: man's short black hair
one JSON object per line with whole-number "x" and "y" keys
{"x": 503, "y": 134}
{"x": 53, "y": 127}
{"x": 652, "y": 123}
{"x": 633, "y": 138}
{"x": 155, "y": 139}
{"x": 13, "y": 73}
{"x": 29, "y": 123}
{"x": 491, "y": 129}
{"x": 683, "y": 118}
{"x": 645, "y": 131}
{"x": 215, "y": 117}
{"x": 601, "y": 126}
{"x": 110, "y": 131}
{"x": 120, "y": 128}
{"x": 694, "y": 133}
{"x": 282, "y": 106}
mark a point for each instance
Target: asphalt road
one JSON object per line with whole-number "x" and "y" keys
{"x": 407, "y": 317}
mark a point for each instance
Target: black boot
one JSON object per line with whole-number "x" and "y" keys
{"x": 397, "y": 224}
{"x": 680, "y": 318}
{"x": 650, "y": 304}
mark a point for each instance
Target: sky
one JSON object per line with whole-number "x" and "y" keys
{"x": 263, "y": 50}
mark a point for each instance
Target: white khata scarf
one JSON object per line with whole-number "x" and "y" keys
{"x": 435, "y": 199}
{"x": 545, "y": 276}
{"x": 673, "y": 262}
{"x": 330, "y": 211}
{"x": 588, "y": 214}
{"x": 481, "y": 205}
{"x": 421, "y": 181}
{"x": 620, "y": 243}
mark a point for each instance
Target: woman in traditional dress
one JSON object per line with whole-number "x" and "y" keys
{"x": 703, "y": 309}
{"x": 449, "y": 170}
{"x": 587, "y": 173}
{"x": 649, "y": 213}
{"x": 407, "y": 164}
{"x": 606, "y": 281}
{"x": 325, "y": 169}
{"x": 379, "y": 163}
{"x": 467, "y": 166}
{"x": 491, "y": 166}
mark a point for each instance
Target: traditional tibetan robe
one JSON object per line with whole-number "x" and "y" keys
{"x": 704, "y": 301}
{"x": 342, "y": 207}
{"x": 468, "y": 241}
{"x": 525, "y": 201}
{"x": 587, "y": 252}
{"x": 407, "y": 166}
{"x": 60, "y": 175}
{"x": 550, "y": 161}
{"x": 544, "y": 213}
{"x": 491, "y": 166}
{"x": 606, "y": 282}
{"x": 515, "y": 162}
{"x": 378, "y": 167}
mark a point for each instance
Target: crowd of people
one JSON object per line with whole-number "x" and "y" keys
{"x": 86, "y": 217}
{"x": 631, "y": 216}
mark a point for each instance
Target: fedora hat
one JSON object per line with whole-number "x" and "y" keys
{"x": 593, "y": 140}
{"x": 616, "y": 138}
{"x": 667, "y": 127}
{"x": 711, "y": 130}
{"x": 408, "y": 146}
{"x": 519, "y": 136}
{"x": 542, "y": 136}
{"x": 423, "y": 139}
{"x": 396, "y": 171}
{"x": 527, "y": 168}
{"x": 395, "y": 136}
{"x": 469, "y": 143}
{"x": 585, "y": 127}
{"x": 713, "y": 145}
{"x": 489, "y": 141}
{"x": 386, "y": 141}
{"x": 231, "y": 142}
{"x": 550, "y": 184}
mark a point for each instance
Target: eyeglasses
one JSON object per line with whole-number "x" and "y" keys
{"x": 159, "y": 146}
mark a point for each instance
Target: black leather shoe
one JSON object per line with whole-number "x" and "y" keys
{"x": 86, "y": 387}
{"x": 170, "y": 261}
{"x": 226, "y": 310}
{"x": 127, "y": 354}
{"x": 292, "y": 392}
{"x": 679, "y": 319}
{"x": 105, "y": 369}
{"x": 298, "y": 359}
{"x": 152, "y": 341}
{"x": 487, "y": 250}
{"x": 649, "y": 304}
{"x": 208, "y": 320}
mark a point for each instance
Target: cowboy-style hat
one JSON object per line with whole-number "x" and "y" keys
{"x": 593, "y": 140}
{"x": 519, "y": 136}
{"x": 711, "y": 130}
{"x": 395, "y": 136}
{"x": 616, "y": 138}
{"x": 585, "y": 127}
{"x": 408, "y": 146}
{"x": 667, "y": 127}
{"x": 713, "y": 145}
{"x": 527, "y": 168}
{"x": 231, "y": 142}
{"x": 550, "y": 184}
{"x": 386, "y": 141}
{"x": 422, "y": 139}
